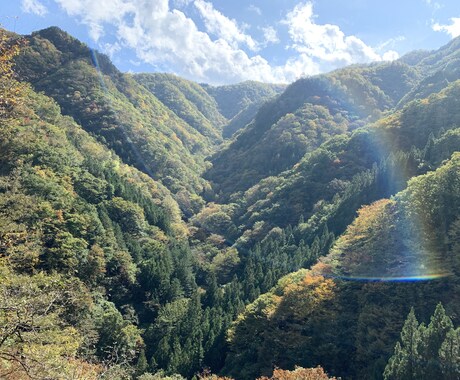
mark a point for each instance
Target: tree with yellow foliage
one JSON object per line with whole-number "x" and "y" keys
{"x": 10, "y": 89}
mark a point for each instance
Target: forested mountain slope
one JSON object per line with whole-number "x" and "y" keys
{"x": 438, "y": 68}
{"x": 232, "y": 99}
{"x": 293, "y": 244}
{"x": 333, "y": 315}
{"x": 187, "y": 100}
{"x": 123, "y": 114}
{"x": 329, "y": 171}
{"x": 76, "y": 226}
{"x": 305, "y": 115}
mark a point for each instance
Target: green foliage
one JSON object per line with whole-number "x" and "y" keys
{"x": 426, "y": 352}
{"x": 102, "y": 210}
{"x": 232, "y": 99}
{"x": 187, "y": 100}
{"x": 36, "y": 340}
{"x": 123, "y": 114}
{"x": 11, "y": 91}
{"x": 390, "y": 239}
{"x": 305, "y": 115}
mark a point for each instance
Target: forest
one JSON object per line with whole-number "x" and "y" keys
{"x": 156, "y": 228}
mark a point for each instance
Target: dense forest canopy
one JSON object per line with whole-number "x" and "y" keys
{"x": 152, "y": 227}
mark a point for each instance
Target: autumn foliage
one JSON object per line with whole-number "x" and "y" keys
{"x": 299, "y": 373}
{"x": 10, "y": 88}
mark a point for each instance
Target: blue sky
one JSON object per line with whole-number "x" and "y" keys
{"x": 227, "y": 41}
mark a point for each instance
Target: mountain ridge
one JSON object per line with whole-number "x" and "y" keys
{"x": 162, "y": 247}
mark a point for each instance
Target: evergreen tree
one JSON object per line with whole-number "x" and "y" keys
{"x": 449, "y": 355}
{"x": 432, "y": 339}
{"x": 403, "y": 365}
{"x": 426, "y": 352}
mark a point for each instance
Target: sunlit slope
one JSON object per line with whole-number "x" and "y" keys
{"x": 350, "y": 170}
{"x": 123, "y": 114}
{"x": 188, "y": 100}
{"x": 437, "y": 69}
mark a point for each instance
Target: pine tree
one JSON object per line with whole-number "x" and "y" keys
{"x": 449, "y": 355}
{"x": 403, "y": 365}
{"x": 432, "y": 338}
{"x": 426, "y": 352}
{"x": 142, "y": 364}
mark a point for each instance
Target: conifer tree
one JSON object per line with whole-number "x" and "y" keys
{"x": 426, "y": 352}
{"x": 449, "y": 355}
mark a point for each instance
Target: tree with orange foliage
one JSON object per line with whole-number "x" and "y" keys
{"x": 299, "y": 373}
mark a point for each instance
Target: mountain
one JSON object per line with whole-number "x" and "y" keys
{"x": 327, "y": 316}
{"x": 188, "y": 101}
{"x": 232, "y": 99}
{"x": 332, "y": 169}
{"x": 305, "y": 115}
{"x": 123, "y": 114}
{"x": 438, "y": 69}
{"x": 153, "y": 227}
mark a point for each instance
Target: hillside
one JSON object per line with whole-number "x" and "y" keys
{"x": 305, "y": 115}
{"x": 152, "y": 227}
{"x": 330, "y": 170}
{"x": 327, "y": 316}
{"x": 188, "y": 101}
{"x": 123, "y": 115}
{"x": 232, "y": 99}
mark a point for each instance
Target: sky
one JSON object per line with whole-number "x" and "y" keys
{"x": 229, "y": 41}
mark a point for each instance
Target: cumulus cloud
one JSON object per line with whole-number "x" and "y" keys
{"x": 253, "y": 8}
{"x": 167, "y": 37}
{"x": 453, "y": 29}
{"x": 270, "y": 35}
{"x": 170, "y": 40}
{"x": 223, "y": 27}
{"x": 326, "y": 42}
{"x": 390, "y": 55}
{"x": 33, "y": 6}
{"x": 100, "y": 13}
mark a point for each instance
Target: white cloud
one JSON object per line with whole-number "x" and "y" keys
{"x": 270, "y": 35}
{"x": 326, "y": 42}
{"x": 181, "y": 3}
{"x": 433, "y": 4}
{"x": 110, "y": 49}
{"x": 168, "y": 39}
{"x": 453, "y": 29}
{"x": 33, "y": 6}
{"x": 390, "y": 55}
{"x": 390, "y": 43}
{"x": 223, "y": 27}
{"x": 96, "y": 14}
{"x": 253, "y": 8}
{"x": 162, "y": 36}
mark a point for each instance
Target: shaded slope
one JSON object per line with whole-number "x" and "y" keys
{"x": 344, "y": 100}
{"x": 349, "y": 327}
{"x": 231, "y": 99}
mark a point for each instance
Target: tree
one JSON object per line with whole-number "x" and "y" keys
{"x": 35, "y": 339}
{"x": 11, "y": 90}
{"x": 449, "y": 355}
{"x": 432, "y": 339}
{"x": 299, "y": 373}
{"x": 426, "y": 352}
